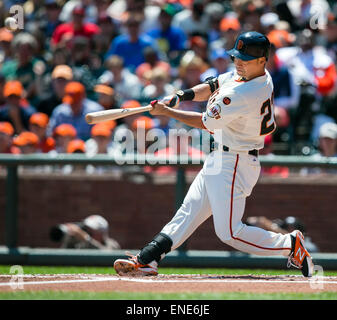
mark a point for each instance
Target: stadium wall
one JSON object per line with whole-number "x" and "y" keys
{"x": 137, "y": 211}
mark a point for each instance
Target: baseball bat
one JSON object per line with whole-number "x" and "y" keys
{"x": 113, "y": 114}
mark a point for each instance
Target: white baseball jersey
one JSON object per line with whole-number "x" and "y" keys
{"x": 242, "y": 110}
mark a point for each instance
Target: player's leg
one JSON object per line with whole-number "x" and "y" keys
{"x": 227, "y": 194}
{"x": 193, "y": 212}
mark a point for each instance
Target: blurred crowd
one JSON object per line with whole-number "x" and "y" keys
{"x": 79, "y": 56}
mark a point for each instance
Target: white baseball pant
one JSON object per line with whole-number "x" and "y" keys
{"x": 221, "y": 188}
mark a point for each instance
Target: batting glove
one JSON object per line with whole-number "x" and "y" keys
{"x": 172, "y": 101}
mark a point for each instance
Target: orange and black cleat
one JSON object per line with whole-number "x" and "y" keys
{"x": 299, "y": 256}
{"x": 132, "y": 267}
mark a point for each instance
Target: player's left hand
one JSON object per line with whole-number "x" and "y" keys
{"x": 171, "y": 101}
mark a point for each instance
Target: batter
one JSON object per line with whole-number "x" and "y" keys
{"x": 240, "y": 113}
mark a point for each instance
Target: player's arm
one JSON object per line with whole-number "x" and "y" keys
{"x": 191, "y": 118}
{"x": 200, "y": 92}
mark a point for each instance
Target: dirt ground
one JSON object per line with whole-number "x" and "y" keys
{"x": 169, "y": 283}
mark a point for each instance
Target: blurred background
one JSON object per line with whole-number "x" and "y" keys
{"x": 78, "y": 56}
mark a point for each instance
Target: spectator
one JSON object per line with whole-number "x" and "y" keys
{"x": 140, "y": 127}
{"x": 152, "y": 61}
{"x": 310, "y": 63}
{"x": 63, "y": 134}
{"x": 215, "y": 11}
{"x": 219, "y": 64}
{"x": 76, "y": 146}
{"x": 159, "y": 86}
{"x": 73, "y": 110}
{"x": 286, "y": 92}
{"x": 328, "y": 140}
{"x": 190, "y": 70}
{"x": 99, "y": 46}
{"x": 147, "y": 12}
{"x": 123, "y": 137}
{"x": 199, "y": 46}
{"x": 77, "y": 27}
{"x": 110, "y": 28}
{"x": 101, "y": 138}
{"x": 101, "y": 143}
{"x": 192, "y": 21}
{"x": 229, "y": 30}
{"x": 130, "y": 46}
{"x": 327, "y": 147}
{"x": 6, "y": 38}
{"x": 60, "y": 76}
{"x": 16, "y": 110}
{"x": 6, "y": 139}
{"x": 51, "y": 19}
{"x": 249, "y": 14}
{"x": 315, "y": 71}
{"x": 22, "y": 67}
{"x": 106, "y": 96}
{"x": 91, "y": 233}
{"x": 280, "y": 38}
{"x": 268, "y": 21}
{"x": 27, "y": 142}
{"x": 169, "y": 39}
{"x": 126, "y": 85}
{"x": 38, "y": 124}
{"x": 90, "y": 12}
{"x": 81, "y": 61}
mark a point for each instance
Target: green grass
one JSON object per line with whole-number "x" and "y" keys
{"x": 56, "y": 295}
{"x": 59, "y": 295}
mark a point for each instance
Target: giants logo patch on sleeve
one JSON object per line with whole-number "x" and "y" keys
{"x": 226, "y": 100}
{"x": 213, "y": 111}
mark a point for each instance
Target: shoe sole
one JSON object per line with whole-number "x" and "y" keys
{"x": 127, "y": 268}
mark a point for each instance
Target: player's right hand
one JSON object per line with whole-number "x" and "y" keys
{"x": 158, "y": 108}
{"x": 171, "y": 101}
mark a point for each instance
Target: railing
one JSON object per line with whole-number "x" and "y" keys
{"x": 12, "y": 162}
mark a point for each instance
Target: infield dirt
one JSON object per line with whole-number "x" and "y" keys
{"x": 169, "y": 283}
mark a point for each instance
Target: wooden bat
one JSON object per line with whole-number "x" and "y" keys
{"x": 113, "y": 114}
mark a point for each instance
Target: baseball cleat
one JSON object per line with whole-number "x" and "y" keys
{"x": 131, "y": 267}
{"x": 299, "y": 256}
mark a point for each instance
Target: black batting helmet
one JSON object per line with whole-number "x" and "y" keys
{"x": 250, "y": 45}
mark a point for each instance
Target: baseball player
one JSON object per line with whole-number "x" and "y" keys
{"x": 240, "y": 114}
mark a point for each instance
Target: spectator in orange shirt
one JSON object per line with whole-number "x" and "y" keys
{"x": 38, "y": 123}
{"x": 6, "y": 142}
{"x": 27, "y": 142}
